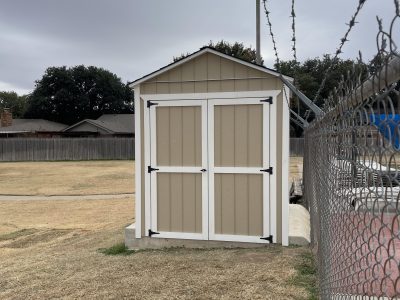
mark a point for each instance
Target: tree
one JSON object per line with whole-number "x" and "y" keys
{"x": 237, "y": 50}
{"x": 309, "y": 75}
{"x": 17, "y": 104}
{"x": 68, "y": 95}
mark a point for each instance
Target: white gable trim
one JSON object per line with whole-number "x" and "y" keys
{"x": 201, "y": 52}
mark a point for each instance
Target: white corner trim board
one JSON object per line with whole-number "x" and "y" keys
{"x": 285, "y": 168}
{"x": 138, "y": 167}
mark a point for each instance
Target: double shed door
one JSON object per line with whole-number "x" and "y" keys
{"x": 209, "y": 170}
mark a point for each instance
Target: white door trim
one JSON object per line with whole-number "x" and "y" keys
{"x": 208, "y": 179}
{"x": 267, "y": 199}
{"x": 178, "y": 169}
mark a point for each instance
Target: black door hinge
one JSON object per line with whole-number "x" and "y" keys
{"x": 149, "y": 104}
{"x": 268, "y": 100}
{"x": 150, "y": 169}
{"x": 269, "y": 239}
{"x": 151, "y": 232}
{"x": 269, "y": 170}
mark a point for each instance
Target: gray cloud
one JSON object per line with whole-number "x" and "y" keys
{"x": 132, "y": 38}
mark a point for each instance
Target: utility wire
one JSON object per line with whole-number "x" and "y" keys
{"x": 343, "y": 40}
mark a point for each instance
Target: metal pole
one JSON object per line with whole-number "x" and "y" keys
{"x": 258, "y": 42}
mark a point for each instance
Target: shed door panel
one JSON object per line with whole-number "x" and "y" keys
{"x": 179, "y": 154}
{"x": 179, "y": 202}
{"x": 179, "y": 136}
{"x": 239, "y": 189}
{"x": 239, "y": 204}
{"x": 238, "y": 136}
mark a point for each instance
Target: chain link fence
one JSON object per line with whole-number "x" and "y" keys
{"x": 352, "y": 179}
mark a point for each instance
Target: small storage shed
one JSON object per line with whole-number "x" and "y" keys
{"x": 212, "y": 154}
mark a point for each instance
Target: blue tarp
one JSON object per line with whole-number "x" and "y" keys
{"x": 388, "y": 126}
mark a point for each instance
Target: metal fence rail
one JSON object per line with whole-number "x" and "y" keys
{"x": 352, "y": 182}
{"x": 52, "y": 149}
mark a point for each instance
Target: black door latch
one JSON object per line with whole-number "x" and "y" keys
{"x": 269, "y": 238}
{"x": 269, "y": 170}
{"x": 150, "y": 169}
{"x": 151, "y": 232}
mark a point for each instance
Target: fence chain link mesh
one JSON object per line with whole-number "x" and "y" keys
{"x": 352, "y": 179}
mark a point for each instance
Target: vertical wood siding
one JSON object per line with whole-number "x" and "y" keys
{"x": 207, "y": 74}
{"x": 238, "y": 204}
{"x": 179, "y": 202}
{"x": 178, "y": 136}
{"x": 238, "y": 135}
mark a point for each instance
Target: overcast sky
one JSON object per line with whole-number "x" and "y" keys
{"x": 134, "y": 37}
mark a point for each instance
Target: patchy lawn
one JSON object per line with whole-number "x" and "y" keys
{"x": 52, "y": 249}
{"x": 67, "y": 178}
{"x": 73, "y": 249}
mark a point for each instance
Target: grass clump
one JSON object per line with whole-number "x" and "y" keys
{"x": 306, "y": 275}
{"x": 16, "y": 234}
{"x": 117, "y": 249}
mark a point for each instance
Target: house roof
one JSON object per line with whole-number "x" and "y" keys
{"x": 203, "y": 51}
{"x": 32, "y": 125}
{"x": 112, "y": 123}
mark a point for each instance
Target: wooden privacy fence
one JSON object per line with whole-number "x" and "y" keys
{"x": 48, "y": 149}
{"x": 296, "y": 146}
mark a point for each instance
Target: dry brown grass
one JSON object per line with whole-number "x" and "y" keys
{"x": 49, "y": 249}
{"x": 58, "y": 257}
{"x": 67, "y": 178}
{"x": 295, "y": 168}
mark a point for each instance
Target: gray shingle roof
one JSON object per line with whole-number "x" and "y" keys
{"x": 32, "y": 125}
{"x": 118, "y": 123}
{"x": 113, "y": 123}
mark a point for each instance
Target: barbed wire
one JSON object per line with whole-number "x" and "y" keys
{"x": 352, "y": 178}
{"x": 267, "y": 12}
{"x": 343, "y": 41}
{"x": 294, "y": 49}
{"x": 293, "y": 16}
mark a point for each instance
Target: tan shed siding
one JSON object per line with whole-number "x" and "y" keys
{"x": 209, "y": 73}
{"x": 178, "y": 136}
{"x": 208, "y": 78}
{"x": 238, "y": 135}
{"x": 238, "y": 204}
{"x": 179, "y": 202}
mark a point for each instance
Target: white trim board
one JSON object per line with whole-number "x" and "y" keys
{"x": 178, "y": 169}
{"x": 201, "y": 52}
{"x": 267, "y": 199}
{"x": 238, "y": 98}
{"x": 210, "y": 96}
{"x": 138, "y": 166}
{"x": 285, "y": 167}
